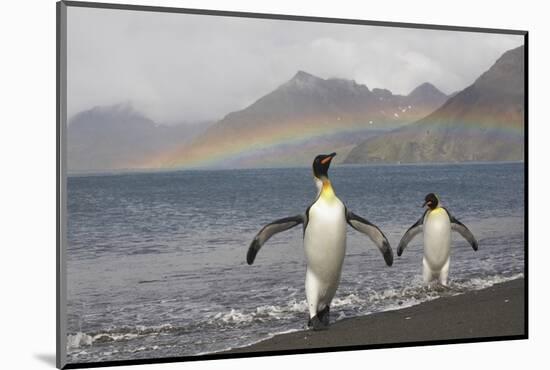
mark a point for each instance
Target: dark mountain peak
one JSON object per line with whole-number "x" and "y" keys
{"x": 122, "y": 114}
{"x": 308, "y": 82}
{"x": 495, "y": 102}
{"x": 506, "y": 75}
{"x": 347, "y": 84}
{"x": 426, "y": 94}
{"x": 119, "y": 136}
{"x": 119, "y": 108}
{"x": 303, "y": 81}
{"x": 125, "y": 109}
{"x": 426, "y": 89}
{"x": 382, "y": 93}
{"x": 516, "y": 53}
{"x": 302, "y": 76}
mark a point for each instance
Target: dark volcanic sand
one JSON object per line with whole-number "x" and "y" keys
{"x": 492, "y": 312}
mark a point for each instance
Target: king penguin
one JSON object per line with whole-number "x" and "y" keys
{"x": 324, "y": 235}
{"x": 437, "y": 224}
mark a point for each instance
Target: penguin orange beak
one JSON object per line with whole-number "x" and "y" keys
{"x": 329, "y": 158}
{"x": 427, "y": 203}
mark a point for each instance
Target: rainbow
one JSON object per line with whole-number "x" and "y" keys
{"x": 212, "y": 150}
{"x": 266, "y": 143}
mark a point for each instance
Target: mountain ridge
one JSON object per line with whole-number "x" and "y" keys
{"x": 303, "y": 116}
{"x": 483, "y": 122}
{"x": 319, "y": 113}
{"x": 119, "y": 137}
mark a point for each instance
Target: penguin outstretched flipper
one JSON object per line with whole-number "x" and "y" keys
{"x": 325, "y": 224}
{"x": 373, "y": 232}
{"x": 409, "y": 235}
{"x": 460, "y": 228}
{"x": 268, "y": 231}
{"x": 436, "y": 224}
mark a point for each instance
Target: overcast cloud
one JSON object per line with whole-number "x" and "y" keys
{"x": 180, "y": 67}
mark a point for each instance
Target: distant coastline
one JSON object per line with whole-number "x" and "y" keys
{"x": 137, "y": 171}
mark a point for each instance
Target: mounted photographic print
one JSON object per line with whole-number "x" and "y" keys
{"x": 238, "y": 184}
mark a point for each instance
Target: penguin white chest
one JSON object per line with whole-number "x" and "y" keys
{"x": 325, "y": 239}
{"x": 437, "y": 238}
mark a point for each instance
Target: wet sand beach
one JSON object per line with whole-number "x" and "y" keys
{"x": 492, "y": 312}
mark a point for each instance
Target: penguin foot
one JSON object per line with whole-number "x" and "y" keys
{"x": 324, "y": 315}
{"x": 316, "y": 324}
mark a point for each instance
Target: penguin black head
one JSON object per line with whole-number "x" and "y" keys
{"x": 431, "y": 200}
{"x": 321, "y": 163}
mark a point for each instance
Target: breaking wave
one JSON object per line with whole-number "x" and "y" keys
{"x": 349, "y": 305}
{"x": 79, "y": 339}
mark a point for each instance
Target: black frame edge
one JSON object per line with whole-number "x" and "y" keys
{"x": 61, "y": 30}
{"x": 58, "y": 363}
{"x": 60, "y": 272}
{"x": 224, "y": 356}
{"x": 288, "y": 17}
{"x": 526, "y": 182}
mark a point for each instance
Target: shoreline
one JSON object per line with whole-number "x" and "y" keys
{"x": 146, "y": 171}
{"x": 496, "y": 311}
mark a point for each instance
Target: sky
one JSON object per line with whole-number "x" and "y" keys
{"x": 188, "y": 68}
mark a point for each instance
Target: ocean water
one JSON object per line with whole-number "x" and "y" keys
{"x": 156, "y": 261}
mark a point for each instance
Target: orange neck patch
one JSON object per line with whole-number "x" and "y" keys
{"x": 327, "y": 191}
